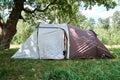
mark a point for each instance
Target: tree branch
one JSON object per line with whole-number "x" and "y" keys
{"x": 36, "y": 9}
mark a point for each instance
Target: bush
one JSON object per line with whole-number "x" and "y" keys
{"x": 109, "y": 37}
{"x": 24, "y": 30}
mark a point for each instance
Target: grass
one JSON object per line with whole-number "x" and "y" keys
{"x": 89, "y": 69}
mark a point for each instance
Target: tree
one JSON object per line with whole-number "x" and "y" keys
{"x": 78, "y": 20}
{"x": 17, "y": 6}
{"x": 92, "y": 21}
{"x": 65, "y": 12}
{"x": 116, "y": 20}
{"x": 104, "y": 23}
{"x": 88, "y": 24}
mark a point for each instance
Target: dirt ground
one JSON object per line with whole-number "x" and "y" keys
{"x": 112, "y": 46}
{"x": 108, "y": 46}
{"x": 15, "y": 46}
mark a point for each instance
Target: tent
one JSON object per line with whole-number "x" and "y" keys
{"x": 62, "y": 41}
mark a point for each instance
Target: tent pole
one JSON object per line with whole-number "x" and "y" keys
{"x": 37, "y": 44}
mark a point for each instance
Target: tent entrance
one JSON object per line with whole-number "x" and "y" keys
{"x": 50, "y": 43}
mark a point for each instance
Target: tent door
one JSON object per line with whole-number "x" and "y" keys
{"x": 51, "y": 43}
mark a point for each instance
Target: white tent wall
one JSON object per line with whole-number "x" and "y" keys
{"x": 47, "y": 42}
{"x": 29, "y": 48}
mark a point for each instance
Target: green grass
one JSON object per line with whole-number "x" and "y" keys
{"x": 89, "y": 69}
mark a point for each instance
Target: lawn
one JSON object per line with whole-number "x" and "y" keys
{"x": 87, "y": 69}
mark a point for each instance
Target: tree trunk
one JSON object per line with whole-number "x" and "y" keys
{"x": 7, "y": 37}
{"x": 9, "y": 29}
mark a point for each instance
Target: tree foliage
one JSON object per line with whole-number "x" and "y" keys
{"x": 116, "y": 20}
{"x": 88, "y": 24}
{"x": 23, "y": 32}
{"x": 58, "y": 11}
{"x": 104, "y": 23}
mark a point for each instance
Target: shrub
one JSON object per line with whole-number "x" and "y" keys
{"x": 24, "y": 30}
{"x": 109, "y": 37}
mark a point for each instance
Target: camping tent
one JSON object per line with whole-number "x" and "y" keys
{"x": 62, "y": 41}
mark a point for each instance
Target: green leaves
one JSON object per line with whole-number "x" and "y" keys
{"x": 64, "y": 10}
{"x": 6, "y": 4}
{"x": 116, "y": 20}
